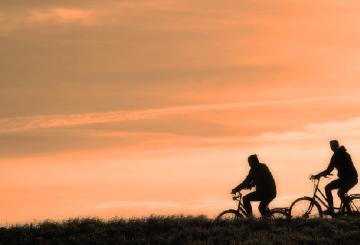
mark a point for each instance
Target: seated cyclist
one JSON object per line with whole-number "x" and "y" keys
{"x": 260, "y": 177}
{"x": 347, "y": 174}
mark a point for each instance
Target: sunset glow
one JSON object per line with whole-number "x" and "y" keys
{"x": 131, "y": 108}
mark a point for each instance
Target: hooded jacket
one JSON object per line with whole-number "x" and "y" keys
{"x": 261, "y": 177}
{"x": 341, "y": 160}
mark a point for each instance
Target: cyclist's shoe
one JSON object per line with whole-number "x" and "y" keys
{"x": 329, "y": 212}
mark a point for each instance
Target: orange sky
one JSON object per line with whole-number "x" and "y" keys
{"x": 123, "y": 108}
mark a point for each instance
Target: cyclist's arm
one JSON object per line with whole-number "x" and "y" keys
{"x": 246, "y": 183}
{"x": 252, "y": 184}
{"x": 329, "y": 169}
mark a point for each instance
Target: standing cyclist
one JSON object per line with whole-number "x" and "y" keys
{"x": 347, "y": 174}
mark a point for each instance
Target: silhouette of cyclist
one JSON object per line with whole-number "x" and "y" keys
{"x": 347, "y": 174}
{"x": 260, "y": 177}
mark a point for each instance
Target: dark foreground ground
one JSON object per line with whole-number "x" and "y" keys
{"x": 185, "y": 230}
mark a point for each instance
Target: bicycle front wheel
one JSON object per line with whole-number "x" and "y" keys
{"x": 305, "y": 207}
{"x": 230, "y": 214}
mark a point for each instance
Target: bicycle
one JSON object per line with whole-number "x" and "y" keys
{"x": 310, "y": 207}
{"x": 240, "y": 212}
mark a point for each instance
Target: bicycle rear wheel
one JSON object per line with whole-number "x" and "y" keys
{"x": 305, "y": 207}
{"x": 354, "y": 205}
{"x": 230, "y": 214}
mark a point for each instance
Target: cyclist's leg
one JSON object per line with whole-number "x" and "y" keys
{"x": 344, "y": 188}
{"x": 335, "y": 184}
{"x": 264, "y": 205}
{"x": 253, "y": 196}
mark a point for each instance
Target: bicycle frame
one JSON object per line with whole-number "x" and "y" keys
{"x": 241, "y": 209}
{"x": 240, "y": 206}
{"x": 322, "y": 197}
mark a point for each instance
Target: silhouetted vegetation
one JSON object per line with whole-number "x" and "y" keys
{"x": 185, "y": 230}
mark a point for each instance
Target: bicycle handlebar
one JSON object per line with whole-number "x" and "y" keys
{"x": 318, "y": 178}
{"x": 236, "y": 195}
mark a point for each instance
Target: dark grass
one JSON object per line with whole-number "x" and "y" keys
{"x": 185, "y": 230}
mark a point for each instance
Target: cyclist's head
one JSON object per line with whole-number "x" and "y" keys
{"x": 334, "y": 145}
{"x": 253, "y": 160}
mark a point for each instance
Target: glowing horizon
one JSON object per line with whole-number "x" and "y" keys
{"x": 116, "y": 108}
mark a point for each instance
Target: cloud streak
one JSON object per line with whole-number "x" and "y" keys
{"x": 61, "y": 15}
{"x": 16, "y": 124}
{"x": 349, "y": 128}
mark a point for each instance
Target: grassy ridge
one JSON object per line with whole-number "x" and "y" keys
{"x": 185, "y": 230}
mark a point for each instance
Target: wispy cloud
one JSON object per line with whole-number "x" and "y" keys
{"x": 61, "y": 15}
{"x": 14, "y": 124}
{"x": 346, "y": 128}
